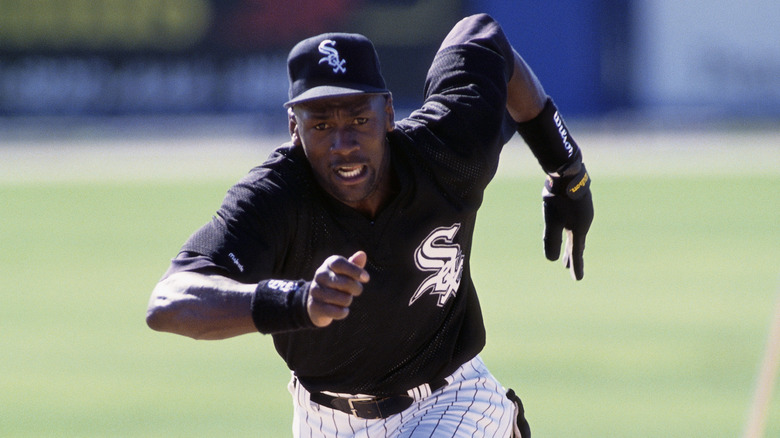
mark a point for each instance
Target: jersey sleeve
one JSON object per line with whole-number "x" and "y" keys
{"x": 244, "y": 238}
{"x": 461, "y": 128}
{"x": 466, "y": 87}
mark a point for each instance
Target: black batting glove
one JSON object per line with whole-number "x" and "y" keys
{"x": 568, "y": 206}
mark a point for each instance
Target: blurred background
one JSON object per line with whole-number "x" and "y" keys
{"x": 659, "y": 60}
{"x": 123, "y": 123}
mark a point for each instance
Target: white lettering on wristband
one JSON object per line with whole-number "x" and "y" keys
{"x": 564, "y": 134}
{"x": 282, "y": 285}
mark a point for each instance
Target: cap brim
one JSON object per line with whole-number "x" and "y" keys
{"x": 325, "y": 91}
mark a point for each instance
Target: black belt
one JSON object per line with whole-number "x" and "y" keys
{"x": 371, "y": 408}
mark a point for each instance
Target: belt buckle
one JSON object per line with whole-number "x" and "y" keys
{"x": 352, "y": 408}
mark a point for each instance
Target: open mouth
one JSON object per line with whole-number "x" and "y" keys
{"x": 351, "y": 172}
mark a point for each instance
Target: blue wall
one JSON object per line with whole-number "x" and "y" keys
{"x": 564, "y": 42}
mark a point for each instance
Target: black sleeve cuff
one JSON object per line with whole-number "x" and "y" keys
{"x": 280, "y": 306}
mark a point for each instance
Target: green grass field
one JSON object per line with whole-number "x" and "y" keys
{"x": 663, "y": 337}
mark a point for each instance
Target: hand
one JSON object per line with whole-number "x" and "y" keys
{"x": 336, "y": 282}
{"x": 568, "y": 206}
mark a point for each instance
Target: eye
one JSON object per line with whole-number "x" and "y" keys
{"x": 360, "y": 121}
{"x": 321, "y": 126}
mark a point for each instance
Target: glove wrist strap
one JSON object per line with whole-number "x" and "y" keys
{"x": 574, "y": 183}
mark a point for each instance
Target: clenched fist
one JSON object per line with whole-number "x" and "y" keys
{"x": 336, "y": 282}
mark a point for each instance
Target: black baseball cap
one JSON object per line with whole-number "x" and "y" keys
{"x": 333, "y": 64}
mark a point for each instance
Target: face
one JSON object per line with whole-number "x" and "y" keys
{"x": 344, "y": 139}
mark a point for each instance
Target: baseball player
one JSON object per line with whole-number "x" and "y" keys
{"x": 351, "y": 244}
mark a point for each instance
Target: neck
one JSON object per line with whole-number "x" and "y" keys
{"x": 387, "y": 188}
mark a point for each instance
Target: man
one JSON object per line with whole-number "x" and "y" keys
{"x": 351, "y": 243}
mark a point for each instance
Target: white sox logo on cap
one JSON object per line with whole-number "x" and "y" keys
{"x": 438, "y": 253}
{"x": 332, "y": 56}
{"x": 332, "y": 65}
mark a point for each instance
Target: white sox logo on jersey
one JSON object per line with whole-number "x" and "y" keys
{"x": 332, "y": 56}
{"x": 438, "y": 253}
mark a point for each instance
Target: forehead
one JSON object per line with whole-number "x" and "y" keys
{"x": 351, "y": 104}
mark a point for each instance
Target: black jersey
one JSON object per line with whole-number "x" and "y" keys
{"x": 419, "y": 317}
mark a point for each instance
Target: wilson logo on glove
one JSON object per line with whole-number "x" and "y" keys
{"x": 577, "y": 184}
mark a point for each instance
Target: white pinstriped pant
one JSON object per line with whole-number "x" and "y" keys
{"x": 473, "y": 404}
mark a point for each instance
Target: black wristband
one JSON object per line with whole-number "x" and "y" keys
{"x": 549, "y": 139}
{"x": 280, "y": 306}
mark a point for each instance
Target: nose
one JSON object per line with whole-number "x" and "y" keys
{"x": 344, "y": 141}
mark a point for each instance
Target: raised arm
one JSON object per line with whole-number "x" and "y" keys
{"x": 525, "y": 95}
{"x": 568, "y": 205}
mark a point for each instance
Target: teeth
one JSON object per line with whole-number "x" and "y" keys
{"x": 350, "y": 172}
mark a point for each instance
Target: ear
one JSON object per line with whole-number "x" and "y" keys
{"x": 292, "y": 127}
{"x": 390, "y": 111}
